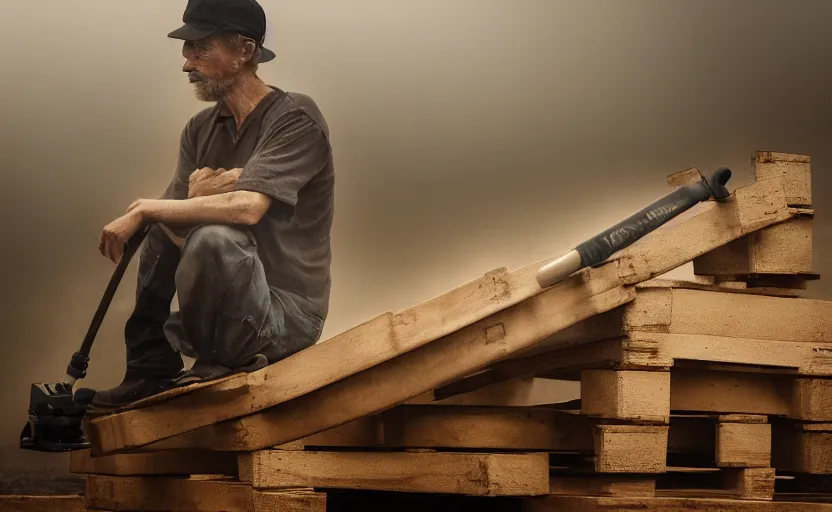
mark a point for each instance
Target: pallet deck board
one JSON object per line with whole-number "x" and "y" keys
{"x": 440, "y": 473}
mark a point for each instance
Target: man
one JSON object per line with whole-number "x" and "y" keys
{"x": 242, "y": 233}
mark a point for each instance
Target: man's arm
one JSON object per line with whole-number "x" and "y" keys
{"x": 237, "y": 207}
{"x": 290, "y": 157}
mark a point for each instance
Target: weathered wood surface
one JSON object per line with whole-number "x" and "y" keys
{"x": 445, "y": 473}
{"x": 166, "y": 494}
{"x": 390, "y": 335}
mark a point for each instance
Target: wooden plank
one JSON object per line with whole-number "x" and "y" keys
{"x": 626, "y": 395}
{"x": 447, "y": 473}
{"x": 743, "y": 445}
{"x": 794, "y": 170}
{"x": 749, "y": 209}
{"x": 362, "y": 432}
{"x": 167, "y": 494}
{"x": 411, "y": 374}
{"x": 512, "y": 392}
{"x": 645, "y": 350}
{"x": 609, "y": 504}
{"x": 630, "y": 449}
{"x": 42, "y": 504}
{"x": 637, "y": 486}
{"x": 730, "y": 392}
{"x": 483, "y": 428}
{"x": 173, "y": 462}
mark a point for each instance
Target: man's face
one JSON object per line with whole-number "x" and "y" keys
{"x": 211, "y": 66}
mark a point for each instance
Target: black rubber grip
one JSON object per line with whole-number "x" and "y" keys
{"x": 130, "y": 248}
{"x": 625, "y": 233}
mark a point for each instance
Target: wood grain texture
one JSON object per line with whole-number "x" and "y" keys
{"x": 743, "y": 445}
{"x": 794, "y": 170}
{"x": 626, "y": 395}
{"x": 631, "y": 449}
{"x": 447, "y": 473}
{"x": 783, "y": 249}
{"x": 483, "y": 428}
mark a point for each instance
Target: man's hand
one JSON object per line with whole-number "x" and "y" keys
{"x": 207, "y": 182}
{"x": 116, "y": 234}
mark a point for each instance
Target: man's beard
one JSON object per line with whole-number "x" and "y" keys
{"x": 212, "y": 89}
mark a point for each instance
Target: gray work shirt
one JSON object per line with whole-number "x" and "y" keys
{"x": 284, "y": 150}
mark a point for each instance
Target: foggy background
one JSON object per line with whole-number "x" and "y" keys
{"x": 468, "y": 135}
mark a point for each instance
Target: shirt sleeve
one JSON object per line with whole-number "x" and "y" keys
{"x": 186, "y": 164}
{"x": 294, "y": 151}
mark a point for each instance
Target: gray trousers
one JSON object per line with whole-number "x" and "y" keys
{"x": 227, "y": 314}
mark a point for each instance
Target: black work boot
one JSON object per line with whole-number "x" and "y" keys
{"x": 132, "y": 389}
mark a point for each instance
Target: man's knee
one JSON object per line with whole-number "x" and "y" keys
{"x": 212, "y": 238}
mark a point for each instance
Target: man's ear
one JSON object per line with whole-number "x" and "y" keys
{"x": 248, "y": 51}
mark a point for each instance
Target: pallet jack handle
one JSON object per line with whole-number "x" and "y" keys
{"x": 77, "y": 368}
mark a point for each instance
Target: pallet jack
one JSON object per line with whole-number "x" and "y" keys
{"x": 55, "y": 413}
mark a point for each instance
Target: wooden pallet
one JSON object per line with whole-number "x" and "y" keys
{"x": 708, "y": 395}
{"x": 488, "y": 319}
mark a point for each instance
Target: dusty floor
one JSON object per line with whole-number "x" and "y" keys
{"x": 37, "y": 473}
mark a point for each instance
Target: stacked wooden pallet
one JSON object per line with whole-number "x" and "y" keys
{"x": 708, "y": 395}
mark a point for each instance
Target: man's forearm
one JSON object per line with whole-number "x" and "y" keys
{"x": 238, "y": 207}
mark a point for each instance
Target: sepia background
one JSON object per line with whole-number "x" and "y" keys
{"x": 468, "y": 135}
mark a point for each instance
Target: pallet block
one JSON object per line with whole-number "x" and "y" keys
{"x": 743, "y": 441}
{"x": 803, "y": 447}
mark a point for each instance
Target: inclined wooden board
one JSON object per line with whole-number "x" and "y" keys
{"x": 164, "y": 494}
{"x": 751, "y": 208}
{"x": 441, "y": 473}
{"x": 408, "y": 375}
{"x": 172, "y": 462}
{"x": 610, "y": 504}
{"x": 42, "y": 504}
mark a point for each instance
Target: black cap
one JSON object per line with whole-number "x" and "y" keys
{"x": 205, "y": 18}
